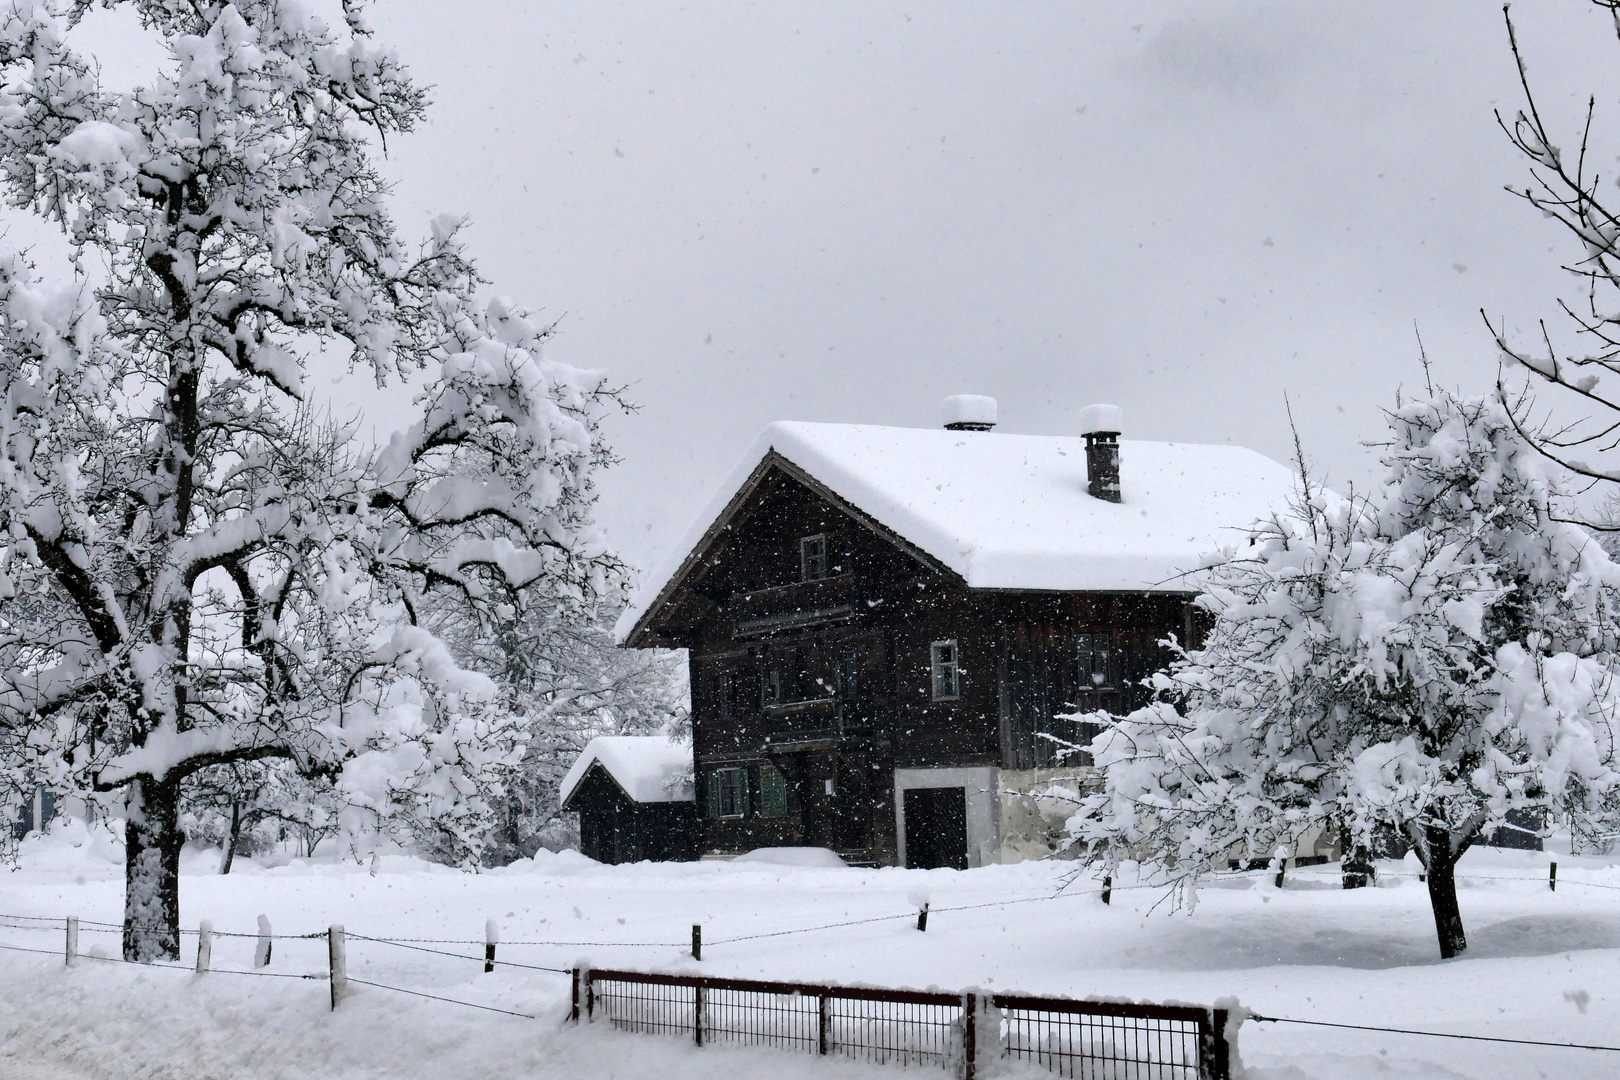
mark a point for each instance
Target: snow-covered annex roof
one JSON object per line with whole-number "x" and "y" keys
{"x": 647, "y": 768}
{"x": 1012, "y": 511}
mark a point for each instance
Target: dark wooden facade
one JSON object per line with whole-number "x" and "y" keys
{"x": 614, "y": 828}
{"x": 812, "y": 684}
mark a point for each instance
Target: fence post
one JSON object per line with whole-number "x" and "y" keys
{"x": 922, "y": 916}
{"x": 492, "y": 935}
{"x": 970, "y": 1026}
{"x": 261, "y": 951}
{"x": 337, "y": 959}
{"x": 697, "y": 1009}
{"x": 1108, "y": 888}
{"x": 205, "y": 946}
{"x": 1214, "y": 1052}
{"x": 823, "y": 1023}
{"x": 72, "y": 938}
{"x": 573, "y": 1013}
{"x": 1552, "y": 877}
{"x": 697, "y": 941}
{"x": 590, "y": 995}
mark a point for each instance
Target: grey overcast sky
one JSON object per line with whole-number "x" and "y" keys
{"x": 845, "y": 211}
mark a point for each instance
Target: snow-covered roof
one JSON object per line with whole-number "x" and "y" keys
{"x": 648, "y": 768}
{"x": 1012, "y": 511}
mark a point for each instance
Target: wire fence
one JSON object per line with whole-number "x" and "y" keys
{"x": 1060, "y": 1042}
{"x": 1065, "y": 1037}
{"x": 959, "y": 1032}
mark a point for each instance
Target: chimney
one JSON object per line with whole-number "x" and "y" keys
{"x": 970, "y": 412}
{"x": 1100, "y": 424}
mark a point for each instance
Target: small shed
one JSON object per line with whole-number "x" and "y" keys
{"x": 634, "y": 798}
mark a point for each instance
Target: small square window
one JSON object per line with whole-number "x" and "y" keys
{"x": 944, "y": 672}
{"x": 813, "y": 557}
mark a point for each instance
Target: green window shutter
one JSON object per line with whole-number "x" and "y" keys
{"x": 714, "y": 794}
{"x": 742, "y": 791}
{"x": 773, "y": 791}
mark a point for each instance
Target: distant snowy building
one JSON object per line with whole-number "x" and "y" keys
{"x": 884, "y": 622}
{"x": 633, "y": 794}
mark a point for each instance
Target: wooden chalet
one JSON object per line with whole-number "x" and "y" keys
{"x": 883, "y": 623}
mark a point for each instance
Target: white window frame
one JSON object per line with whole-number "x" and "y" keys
{"x": 804, "y": 558}
{"x": 945, "y": 676}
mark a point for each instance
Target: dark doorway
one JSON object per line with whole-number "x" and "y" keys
{"x": 936, "y": 828}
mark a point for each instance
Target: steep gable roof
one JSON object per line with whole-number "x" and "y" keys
{"x": 1012, "y": 511}
{"x": 647, "y": 768}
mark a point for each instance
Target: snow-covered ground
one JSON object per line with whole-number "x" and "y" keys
{"x": 1540, "y": 965}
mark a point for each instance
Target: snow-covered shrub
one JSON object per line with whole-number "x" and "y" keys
{"x": 1426, "y": 659}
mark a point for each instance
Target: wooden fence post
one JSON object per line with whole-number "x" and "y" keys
{"x": 574, "y": 1012}
{"x": 336, "y": 957}
{"x": 697, "y": 1010}
{"x": 1216, "y": 1054}
{"x": 261, "y": 951}
{"x": 823, "y": 1023}
{"x": 72, "y": 939}
{"x": 1108, "y": 888}
{"x": 205, "y": 946}
{"x": 492, "y": 935}
{"x": 922, "y": 917}
{"x": 1552, "y": 877}
{"x": 697, "y": 941}
{"x": 970, "y": 1031}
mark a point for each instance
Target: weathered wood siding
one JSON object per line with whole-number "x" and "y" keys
{"x": 830, "y": 680}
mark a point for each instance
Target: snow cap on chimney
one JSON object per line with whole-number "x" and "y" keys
{"x": 1101, "y": 419}
{"x": 970, "y": 412}
{"x": 1101, "y": 425}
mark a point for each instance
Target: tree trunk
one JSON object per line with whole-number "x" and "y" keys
{"x": 1358, "y": 869}
{"x": 1356, "y": 865}
{"x": 234, "y": 837}
{"x": 152, "y": 841}
{"x": 1441, "y": 865}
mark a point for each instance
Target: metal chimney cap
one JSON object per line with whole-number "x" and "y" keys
{"x": 970, "y": 412}
{"x": 1101, "y": 420}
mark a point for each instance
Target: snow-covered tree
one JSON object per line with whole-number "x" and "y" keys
{"x": 562, "y": 675}
{"x": 196, "y": 574}
{"x": 1429, "y": 659}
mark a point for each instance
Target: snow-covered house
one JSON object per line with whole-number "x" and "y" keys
{"x": 883, "y": 622}
{"x": 633, "y": 795}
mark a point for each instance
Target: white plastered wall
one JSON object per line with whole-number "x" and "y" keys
{"x": 983, "y": 807}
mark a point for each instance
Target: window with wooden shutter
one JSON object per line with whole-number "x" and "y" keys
{"x": 731, "y": 786}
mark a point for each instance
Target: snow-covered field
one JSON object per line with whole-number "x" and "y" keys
{"x": 1540, "y": 965}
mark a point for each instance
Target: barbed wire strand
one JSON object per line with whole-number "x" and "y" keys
{"x": 1257, "y": 1018}
{"x": 458, "y": 956}
{"x": 436, "y": 997}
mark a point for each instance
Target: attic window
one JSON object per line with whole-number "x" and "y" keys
{"x": 813, "y": 557}
{"x": 944, "y": 675}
